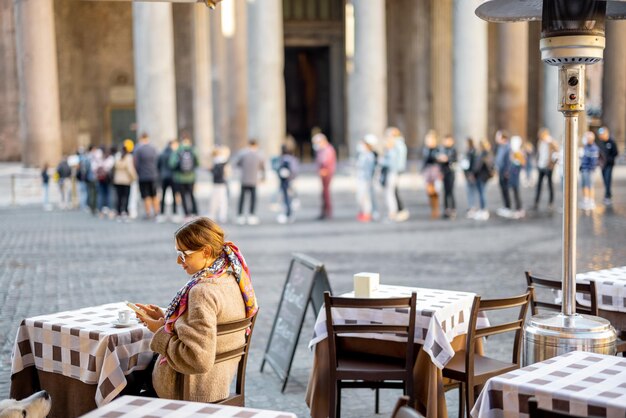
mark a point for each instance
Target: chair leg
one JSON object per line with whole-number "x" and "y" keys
{"x": 332, "y": 401}
{"x": 377, "y": 400}
{"x": 469, "y": 397}
{"x": 338, "y": 412}
{"x": 461, "y": 400}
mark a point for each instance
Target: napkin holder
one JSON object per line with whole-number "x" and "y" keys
{"x": 365, "y": 284}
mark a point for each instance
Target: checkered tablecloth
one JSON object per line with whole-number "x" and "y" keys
{"x": 577, "y": 383}
{"x": 610, "y": 288}
{"x": 441, "y": 315}
{"x": 136, "y": 407}
{"x": 84, "y": 345}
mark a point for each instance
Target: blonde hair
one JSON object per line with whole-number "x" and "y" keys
{"x": 201, "y": 234}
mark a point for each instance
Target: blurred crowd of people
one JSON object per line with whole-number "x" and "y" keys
{"x": 109, "y": 182}
{"x": 512, "y": 162}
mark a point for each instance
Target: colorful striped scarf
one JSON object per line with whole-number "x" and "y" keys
{"x": 230, "y": 260}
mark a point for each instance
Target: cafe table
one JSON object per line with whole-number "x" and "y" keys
{"x": 80, "y": 357}
{"x": 611, "y": 294}
{"x": 138, "y": 407}
{"x": 577, "y": 383}
{"x": 442, "y": 318}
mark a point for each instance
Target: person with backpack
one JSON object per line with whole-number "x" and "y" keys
{"x": 63, "y": 174}
{"x": 251, "y": 163}
{"x": 447, "y": 159}
{"x": 608, "y": 153}
{"x": 365, "y": 168}
{"x": 166, "y": 174}
{"x": 183, "y": 163}
{"x": 547, "y": 157}
{"x": 82, "y": 173}
{"x": 220, "y": 169}
{"x": 483, "y": 171}
{"x": 287, "y": 170}
{"x": 146, "y": 164}
{"x": 123, "y": 177}
{"x": 103, "y": 167}
{"x": 588, "y": 163}
{"x": 431, "y": 172}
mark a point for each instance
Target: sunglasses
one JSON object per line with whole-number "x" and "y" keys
{"x": 185, "y": 253}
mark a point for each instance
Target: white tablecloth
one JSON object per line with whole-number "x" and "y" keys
{"x": 84, "y": 345}
{"x": 441, "y": 315}
{"x": 610, "y": 288}
{"x": 578, "y": 383}
{"x": 136, "y": 407}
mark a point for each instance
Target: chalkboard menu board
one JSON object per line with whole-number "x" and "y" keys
{"x": 306, "y": 283}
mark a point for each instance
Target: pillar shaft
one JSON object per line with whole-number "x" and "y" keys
{"x": 614, "y": 82}
{"x": 153, "y": 43}
{"x": 441, "y": 66}
{"x": 470, "y": 71}
{"x": 234, "y": 31}
{"x": 422, "y": 47}
{"x": 512, "y": 98}
{"x": 202, "y": 90}
{"x": 266, "y": 88}
{"x": 552, "y": 118}
{"x": 40, "y": 120}
{"x": 367, "y": 83}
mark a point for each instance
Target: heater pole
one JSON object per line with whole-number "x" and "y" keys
{"x": 570, "y": 164}
{"x": 571, "y": 103}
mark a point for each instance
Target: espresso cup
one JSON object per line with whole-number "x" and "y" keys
{"x": 123, "y": 316}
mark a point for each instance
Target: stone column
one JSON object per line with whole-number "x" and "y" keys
{"x": 470, "y": 72}
{"x": 552, "y": 118}
{"x": 422, "y": 46}
{"x": 40, "y": 119}
{"x": 367, "y": 83}
{"x": 614, "y": 82}
{"x": 512, "y": 98}
{"x": 202, "y": 90}
{"x": 441, "y": 66}
{"x": 266, "y": 80}
{"x": 234, "y": 30}
{"x": 153, "y": 43}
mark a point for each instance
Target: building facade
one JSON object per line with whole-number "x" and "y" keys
{"x": 74, "y": 73}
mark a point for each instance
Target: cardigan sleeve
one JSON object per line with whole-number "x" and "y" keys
{"x": 191, "y": 348}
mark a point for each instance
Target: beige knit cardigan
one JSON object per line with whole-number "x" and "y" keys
{"x": 190, "y": 372}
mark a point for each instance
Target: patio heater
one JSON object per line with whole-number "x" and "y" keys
{"x": 572, "y": 37}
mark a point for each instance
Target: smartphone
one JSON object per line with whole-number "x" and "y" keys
{"x": 135, "y": 308}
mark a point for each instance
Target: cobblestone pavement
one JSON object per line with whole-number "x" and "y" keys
{"x": 61, "y": 260}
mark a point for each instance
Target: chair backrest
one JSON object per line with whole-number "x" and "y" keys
{"x": 483, "y": 305}
{"x": 403, "y": 330}
{"x": 543, "y": 282}
{"x": 241, "y": 352}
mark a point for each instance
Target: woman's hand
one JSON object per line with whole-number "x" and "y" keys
{"x": 153, "y": 324}
{"x": 152, "y": 311}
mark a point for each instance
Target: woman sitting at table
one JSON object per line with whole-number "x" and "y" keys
{"x": 185, "y": 335}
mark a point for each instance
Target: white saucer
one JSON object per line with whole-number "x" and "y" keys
{"x": 131, "y": 323}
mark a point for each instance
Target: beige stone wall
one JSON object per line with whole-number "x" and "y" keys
{"x": 95, "y": 52}
{"x": 9, "y": 94}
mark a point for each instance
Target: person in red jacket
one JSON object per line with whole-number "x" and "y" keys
{"x": 326, "y": 159}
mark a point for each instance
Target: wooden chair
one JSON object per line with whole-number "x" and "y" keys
{"x": 584, "y": 288}
{"x": 241, "y": 352}
{"x": 472, "y": 369}
{"x": 403, "y": 410}
{"x": 542, "y": 282}
{"x": 351, "y": 370}
{"x": 535, "y": 412}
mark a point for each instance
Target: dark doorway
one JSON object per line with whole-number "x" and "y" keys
{"x": 307, "y": 87}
